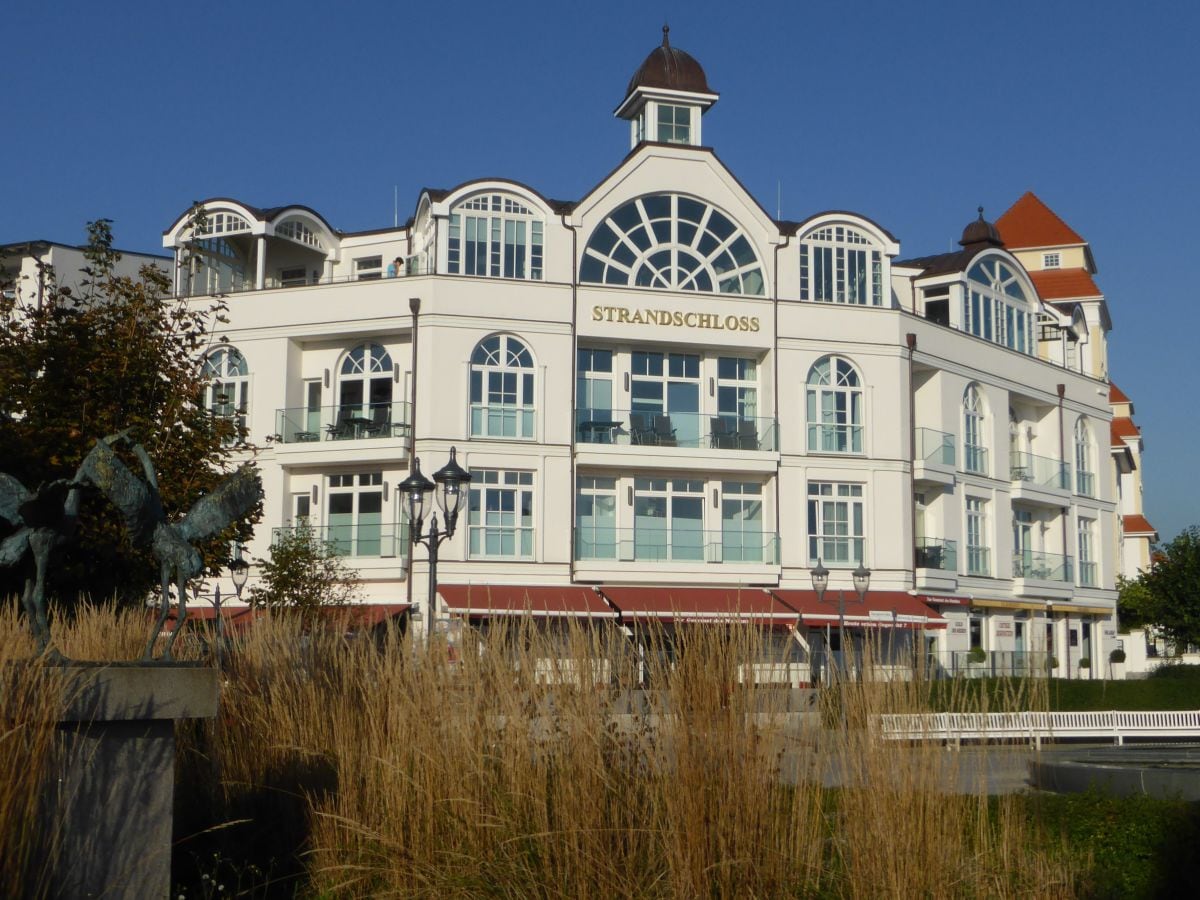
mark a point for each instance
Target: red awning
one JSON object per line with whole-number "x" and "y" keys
{"x": 540, "y": 601}
{"x": 880, "y": 609}
{"x": 236, "y": 618}
{"x": 362, "y": 615}
{"x": 352, "y": 617}
{"x": 699, "y": 605}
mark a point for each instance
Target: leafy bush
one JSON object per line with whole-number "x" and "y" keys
{"x": 1177, "y": 672}
{"x": 1117, "y": 656}
{"x": 1085, "y": 663}
{"x": 977, "y": 655}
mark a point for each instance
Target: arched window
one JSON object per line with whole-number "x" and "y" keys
{"x": 673, "y": 243}
{"x": 974, "y": 451}
{"x": 840, "y": 264}
{"x": 495, "y": 235}
{"x": 502, "y": 399}
{"x": 227, "y": 393}
{"x": 295, "y": 230}
{"x": 1085, "y": 478}
{"x": 364, "y": 393}
{"x": 996, "y": 307}
{"x": 835, "y": 398}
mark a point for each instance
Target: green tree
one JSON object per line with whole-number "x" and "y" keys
{"x": 1134, "y": 603}
{"x": 303, "y": 573}
{"x": 120, "y": 353}
{"x": 1172, "y": 588}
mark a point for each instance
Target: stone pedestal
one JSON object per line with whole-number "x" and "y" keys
{"x": 112, "y": 806}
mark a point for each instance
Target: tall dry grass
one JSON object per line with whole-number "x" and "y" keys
{"x": 520, "y": 767}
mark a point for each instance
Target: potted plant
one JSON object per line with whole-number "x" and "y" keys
{"x": 1051, "y": 663}
{"x": 1117, "y": 656}
{"x": 1085, "y": 663}
{"x": 977, "y": 655}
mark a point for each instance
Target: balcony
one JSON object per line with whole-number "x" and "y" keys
{"x": 1085, "y": 483}
{"x": 356, "y": 422}
{"x": 979, "y": 560}
{"x": 679, "y": 545}
{"x": 689, "y": 430}
{"x": 975, "y": 459}
{"x": 503, "y": 420}
{"x": 936, "y": 553}
{"x": 357, "y": 541}
{"x": 513, "y": 542}
{"x": 1039, "y": 479}
{"x": 1041, "y": 566}
{"x": 835, "y": 439}
{"x": 933, "y": 457}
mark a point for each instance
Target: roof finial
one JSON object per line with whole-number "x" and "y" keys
{"x": 981, "y": 214}
{"x": 666, "y": 30}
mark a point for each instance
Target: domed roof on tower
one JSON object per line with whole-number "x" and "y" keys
{"x": 666, "y": 97}
{"x": 671, "y": 68}
{"x": 981, "y": 231}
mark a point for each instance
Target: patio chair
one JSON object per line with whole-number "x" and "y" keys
{"x": 664, "y": 434}
{"x": 747, "y": 434}
{"x": 641, "y": 428}
{"x": 722, "y": 433}
{"x": 341, "y": 427}
{"x": 381, "y": 420}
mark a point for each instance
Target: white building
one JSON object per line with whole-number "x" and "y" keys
{"x": 29, "y": 269}
{"x": 673, "y": 405}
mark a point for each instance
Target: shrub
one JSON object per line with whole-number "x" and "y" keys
{"x": 977, "y": 655}
{"x": 1085, "y": 663}
{"x": 1051, "y": 662}
{"x": 1117, "y": 656}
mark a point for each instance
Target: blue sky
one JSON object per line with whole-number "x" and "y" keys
{"x": 913, "y": 114}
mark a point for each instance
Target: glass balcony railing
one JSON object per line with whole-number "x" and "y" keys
{"x": 1085, "y": 483}
{"x": 676, "y": 545}
{"x": 935, "y": 447}
{"x": 650, "y": 428}
{"x": 835, "y": 439}
{"x": 347, "y": 422}
{"x": 1088, "y": 575}
{"x": 975, "y": 459}
{"x": 1040, "y": 470}
{"x": 354, "y": 539}
{"x": 502, "y": 420}
{"x": 1043, "y": 566}
{"x": 979, "y": 560}
{"x": 936, "y": 553}
{"x": 500, "y": 541}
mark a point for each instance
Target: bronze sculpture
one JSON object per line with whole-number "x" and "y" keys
{"x": 171, "y": 542}
{"x": 44, "y": 521}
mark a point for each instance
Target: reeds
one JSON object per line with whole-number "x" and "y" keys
{"x": 523, "y": 763}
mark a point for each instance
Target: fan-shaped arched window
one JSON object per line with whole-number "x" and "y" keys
{"x": 502, "y": 385}
{"x": 841, "y": 264}
{"x": 497, "y": 236}
{"x": 834, "y": 407}
{"x": 672, "y": 243}
{"x": 974, "y": 417}
{"x": 996, "y": 306}
{"x": 227, "y": 392}
{"x": 365, "y": 382}
{"x": 1085, "y": 477}
{"x": 295, "y": 230}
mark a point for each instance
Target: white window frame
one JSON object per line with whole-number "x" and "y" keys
{"x": 502, "y": 385}
{"x": 829, "y": 258}
{"x": 836, "y": 523}
{"x": 975, "y": 455}
{"x": 834, "y": 406}
{"x": 507, "y": 530}
{"x": 496, "y": 236}
{"x": 1051, "y": 260}
{"x": 368, "y": 268}
{"x": 227, "y": 391}
{"x": 978, "y": 547}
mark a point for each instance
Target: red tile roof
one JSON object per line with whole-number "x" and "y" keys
{"x": 1031, "y": 223}
{"x": 1116, "y": 395}
{"x": 1138, "y": 524}
{"x": 1064, "y": 284}
{"x": 1122, "y": 430}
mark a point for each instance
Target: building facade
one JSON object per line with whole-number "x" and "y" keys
{"x": 674, "y": 406}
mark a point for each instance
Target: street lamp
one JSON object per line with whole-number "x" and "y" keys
{"x": 451, "y": 479}
{"x": 239, "y": 571}
{"x": 820, "y": 583}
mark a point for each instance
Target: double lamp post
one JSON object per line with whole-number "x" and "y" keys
{"x": 451, "y": 481}
{"x": 820, "y": 583}
{"x": 239, "y": 570}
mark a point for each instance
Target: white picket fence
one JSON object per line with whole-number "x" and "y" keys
{"x": 1038, "y": 726}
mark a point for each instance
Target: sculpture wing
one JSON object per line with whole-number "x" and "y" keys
{"x": 12, "y": 495}
{"x": 224, "y": 505}
{"x": 13, "y": 548}
{"x": 141, "y": 509}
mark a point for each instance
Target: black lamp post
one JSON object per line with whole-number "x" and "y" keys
{"x": 239, "y": 570}
{"x": 451, "y": 480}
{"x": 820, "y": 582}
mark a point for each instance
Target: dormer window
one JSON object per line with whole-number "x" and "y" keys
{"x": 674, "y": 124}
{"x": 496, "y": 236}
{"x": 1051, "y": 260}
